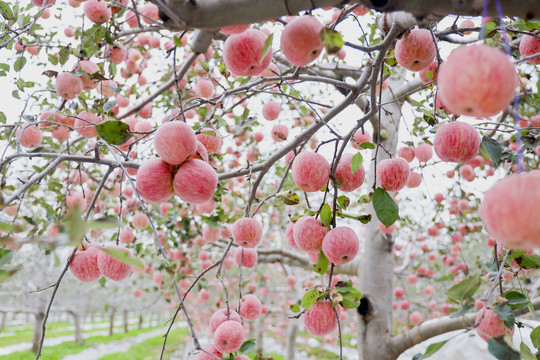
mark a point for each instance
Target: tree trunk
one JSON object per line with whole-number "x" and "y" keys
{"x": 140, "y": 321}
{"x": 125, "y": 320}
{"x": 111, "y": 322}
{"x": 78, "y": 328}
{"x": 292, "y": 332}
{"x": 3, "y": 321}
{"x": 38, "y": 330}
{"x": 375, "y": 270}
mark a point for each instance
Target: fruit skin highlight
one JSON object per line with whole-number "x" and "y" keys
{"x": 509, "y": 211}
{"x": 477, "y": 80}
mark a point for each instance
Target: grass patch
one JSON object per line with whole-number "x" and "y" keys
{"x": 268, "y": 356}
{"x": 69, "y": 347}
{"x": 320, "y": 353}
{"x": 150, "y": 349}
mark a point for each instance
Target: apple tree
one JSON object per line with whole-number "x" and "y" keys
{"x": 325, "y": 162}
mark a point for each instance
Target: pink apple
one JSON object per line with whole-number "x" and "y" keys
{"x": 97, "y": 11}
{"x": 112, "y": 267}
{"x": 360, "y": 136}
{"x": 247, "y": 232}
{"x": 210, "y": 139}
{"x": 242, "y": 53}
{"x": 234, "y": 29}
{"x": 209, "y": 349}
{"x": 279, "y": 132}
{"x": 310, "y": 171}
{"x": 340, "y": 245}
{"x": 175, "y": 142}
{"x": 246, "y": 256}
{"x": 85, "y": 124}
{"x": 456, "y": 142}
{"x": 406, "y": 152}
{"x": 289, "y": 235}
{"x": 423, "y": 152}
{"x": 309, "y": 233}
{"x": 300, "y": 40}
{"x": 321, "y": 319}
{"x": 489, "y": 325}
{"x": 271, "y": 110}
{"x": 416, "y": 51}
{"x": 416, "y": 318}
{"x": 68, "y": 86}
{"x": 509, "y": 211}
{"x": 250, "y": 307}
{"x": 154, "y": 181}
{"x": 477, "y": 80}
{"x": 415, "y": 179}
{"x": 429, "y": 74}
{"x": 399, "y": 292}
{"x": 393, "y": 174}
{"x": 204, "y": 88}
{"x": 195, "y": 181}
{"x": 347, "y": 180}
{"x": 530, "y": 45}
{"x": 31, "y": 136}
{"x": 84, "y": 264}
{"x": 220, "y": 316}
{"x": 229, "y": 336}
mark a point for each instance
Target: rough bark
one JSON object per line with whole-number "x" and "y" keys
{"x": 214, "y": 14}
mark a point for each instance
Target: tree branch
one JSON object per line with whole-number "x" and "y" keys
{"x": 416, "y": 335}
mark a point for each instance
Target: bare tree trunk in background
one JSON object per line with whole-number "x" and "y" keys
{"x": 111, "y": 322}
{"x": 150, "y": 319}
{"x": 292, "y": 332}
{"x": 78, "y": 328}
{"x": 259, "y": 339}
{"x": 375, "y": 270}
{"x": 38, "y": 331}
{"x": 125, "y": 320}
{"x": 140, "y": 321}
{"x": 3, "y": 321}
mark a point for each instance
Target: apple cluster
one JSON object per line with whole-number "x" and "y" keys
{"x": 182, "y": 167}
{"x": 90, "y": 262}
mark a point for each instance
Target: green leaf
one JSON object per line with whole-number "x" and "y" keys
{"x": 505, "y": 313}
{"x": 516, "y": 300}
{"x": 124, "y": 257}
{"x": 322, "y": 264}
{"x": 64, "y": 55}
{"x": 493, "y": 148}
{"x": 529, "y": 261}
{"x": 464, "y": 289}
{"x": 535, "y": 337}
{"x": 310, "y": 298}
{"x": 102, "y": 280}
{"x": 247, "y": 346}
{"x": 3, "y": 118}
{"x": 501, "y": 350}
{"x": 367, "y": 145}
{"x": 356, "y": 293}
{"x": 349, "y": 304}
{"x": 114, "y": 132}
{"x": 76, "y": 227}
{"x": 294, "y": 308}
{"x": 356, "y": 162}
{"x": 108, "y": 106}
{"x": 108, "y": 222}
{"x": 5, "y": 256}
{"x": 267, "y": 46}
{"x": 331, "y": 40}
{"x": 289, "y": 197}
{"x": 385, "y": 207}
{"x": 5, "y": 11}
{"x": 326, "y": 215}
{"x": 526, "y": 353}
{"x": 490, "y": 29}
{"x": 433, "y": 348}
{"x": 343, "y": 202}
{"x": 19, "y": 63}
